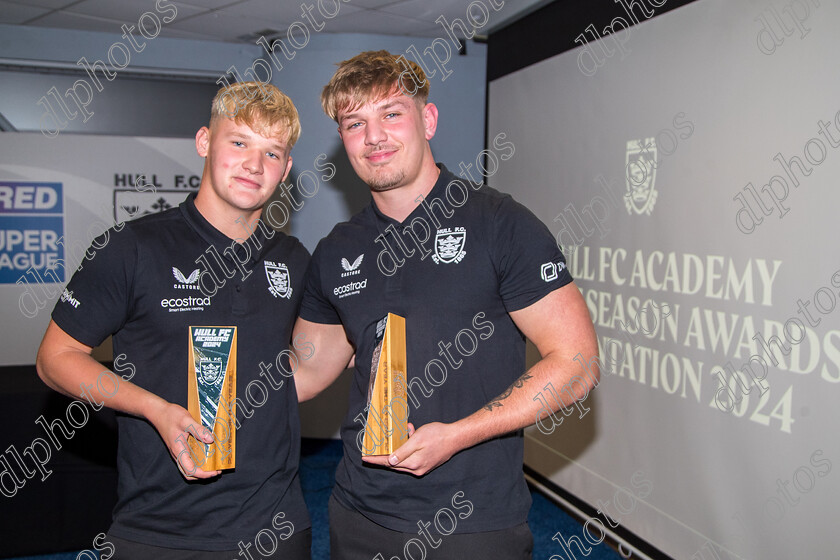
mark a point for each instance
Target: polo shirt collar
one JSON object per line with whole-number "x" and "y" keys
{"x": 213, "y": 236}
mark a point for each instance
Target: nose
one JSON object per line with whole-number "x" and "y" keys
{"x": 253, "y": 162}
{"x": 374, "y": 133}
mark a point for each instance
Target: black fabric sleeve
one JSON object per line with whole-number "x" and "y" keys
{"x": 97, "y": 300}
{"x": 315, "y": 306}
{"x": 528, "y": 261}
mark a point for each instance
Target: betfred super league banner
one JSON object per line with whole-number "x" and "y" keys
{"x": 32, "y": 231}
{"x": 56, "y": 196}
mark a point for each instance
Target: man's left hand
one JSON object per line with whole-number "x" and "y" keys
{"x": 427, "y": 448}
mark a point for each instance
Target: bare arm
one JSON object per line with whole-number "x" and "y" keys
{"x": 560, "y": 327}
{"x": 65, "y": 364}
{"x": 323, "y": 366}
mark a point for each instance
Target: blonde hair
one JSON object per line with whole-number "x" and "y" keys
{"x": 259, "y": 105}
{"x": 371, "y": 76}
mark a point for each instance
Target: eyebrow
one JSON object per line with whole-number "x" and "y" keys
{"x": 395, "y": 102}
{"x": 275, "y": 146}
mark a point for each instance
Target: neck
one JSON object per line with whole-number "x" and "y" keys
{"x": 233, "y": 223}
{"x": 399, "y": 203}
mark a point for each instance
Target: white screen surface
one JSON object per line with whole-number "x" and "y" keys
{"x": 720, "y": 98}
{"x": 57, "y": 195}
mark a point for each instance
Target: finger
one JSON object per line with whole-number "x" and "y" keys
{"x": 190, "y": 471}
{"x": 185, "y": 475}
{"x": 410, "y": 427}
{"x": 381, "y": 460}
{"x": 402, "y": 454}
{"x": 201, "y": 433}
{"x": 186, "y": 465}
{"x": 199, "y": 473}
{"x": 414, "y": 472}
{"x": 184, "y": 458}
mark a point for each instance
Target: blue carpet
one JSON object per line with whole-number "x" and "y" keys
{"x": 319, "y": 459}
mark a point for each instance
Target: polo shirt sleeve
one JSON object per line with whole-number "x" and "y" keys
{"x": 315, "y": 306}
{"x": 528, "y": 261}
{"x": 97, "y": 301}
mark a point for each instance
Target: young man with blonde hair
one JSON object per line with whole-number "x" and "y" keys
{"x": 473, "y": 273}
{"x": 209, "y": 262}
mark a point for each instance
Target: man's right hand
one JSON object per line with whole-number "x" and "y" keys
{"x": 65, "y": 364}
{"x": 175, "y": 425}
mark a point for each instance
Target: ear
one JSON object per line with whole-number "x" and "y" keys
{"x": 288, "y": 168}
{"x": 430, "y": 118}
{"x": 202, "y": 141}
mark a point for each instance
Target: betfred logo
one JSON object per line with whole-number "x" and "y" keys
{"x": 30, "y": 198}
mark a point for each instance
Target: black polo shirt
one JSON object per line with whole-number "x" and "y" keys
{"x": 143, "y": 287}
{"x": 485, "y": 256}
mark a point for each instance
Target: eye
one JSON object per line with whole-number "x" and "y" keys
{"x": 238, "y": 144}
{"x": 390, "y": 115}
{"x": 354, "y": 125}
{"x": 272, "y": 155}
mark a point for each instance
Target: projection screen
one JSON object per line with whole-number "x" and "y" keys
{"x": 690, "y": 177}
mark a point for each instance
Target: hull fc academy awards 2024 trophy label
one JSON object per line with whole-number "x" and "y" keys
{"x": 385, "y": 430}
{"x": 212, "y": 394}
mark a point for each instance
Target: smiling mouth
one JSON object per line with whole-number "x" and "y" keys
{"x": 247, "y": 182}
{"x": 380, "y": 155}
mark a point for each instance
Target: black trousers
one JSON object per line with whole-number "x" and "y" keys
{"x": 296, "y": 547}
{"x": 355, "y": 537}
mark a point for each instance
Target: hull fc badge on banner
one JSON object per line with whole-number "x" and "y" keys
{"x": 130, "y": 203}
{"x": 640, "y": 174}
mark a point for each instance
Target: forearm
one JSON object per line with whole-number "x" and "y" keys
{"x": 560, "y": 328}
{"x": 322, "y": 352}
{"x": 71, "y": 370}
{"x": 81, "y": 377}
{"x": 66, "y": 365}
{"x": 310, "y": 381}
{"x": 519, "y": 405}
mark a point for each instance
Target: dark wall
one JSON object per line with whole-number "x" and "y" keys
{"x": 554, "y": 28}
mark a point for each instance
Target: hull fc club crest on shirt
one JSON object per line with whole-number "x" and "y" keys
{"x": 279, "y": 283}
{"x": 449, "y": 245}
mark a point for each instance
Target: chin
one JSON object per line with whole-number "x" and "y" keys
{"x": 248, "y": 203}
{"x": 381, "y": 183}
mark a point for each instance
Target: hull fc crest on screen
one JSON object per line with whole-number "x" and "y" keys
{"x": 136, "y": 202}
{"x": 640, "y": 167}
